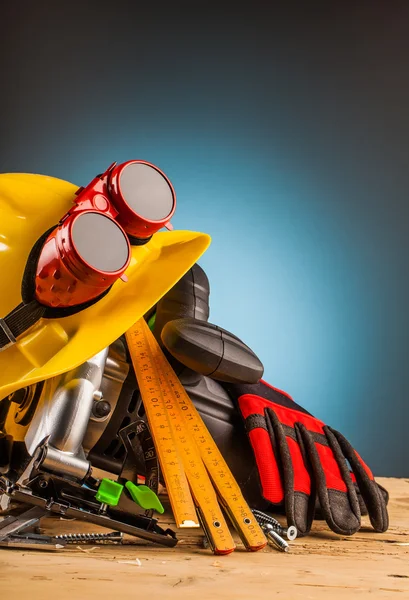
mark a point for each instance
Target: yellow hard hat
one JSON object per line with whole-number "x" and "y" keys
{"x": 29, "y": 206}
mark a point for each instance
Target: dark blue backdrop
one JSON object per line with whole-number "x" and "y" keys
{"x": 286, "y": 135}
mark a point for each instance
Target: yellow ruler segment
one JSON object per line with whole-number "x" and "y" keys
{"x": 174, "y": 443}
{"x": 223, "y": 480}
{"x": 183, "y": 508}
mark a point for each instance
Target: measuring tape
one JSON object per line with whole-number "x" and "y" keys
{"x": 187, "y": 452}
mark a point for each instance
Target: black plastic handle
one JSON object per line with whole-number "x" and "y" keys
{"x": 189, "y": 297}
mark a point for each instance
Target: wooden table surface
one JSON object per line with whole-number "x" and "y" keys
{"x": 322, "y": 565}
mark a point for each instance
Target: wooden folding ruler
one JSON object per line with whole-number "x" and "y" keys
{"x": 191, "y": 462}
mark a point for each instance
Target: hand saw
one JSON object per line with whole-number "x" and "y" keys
{"x": 187, "y": 450}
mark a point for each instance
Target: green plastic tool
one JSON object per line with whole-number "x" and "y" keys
{"x": 151, "y": 321}
{"x": 144, "y": 497}
{"x": 109, "y": 492}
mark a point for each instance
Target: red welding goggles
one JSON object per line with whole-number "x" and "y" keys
{"x": 90, "y": 248}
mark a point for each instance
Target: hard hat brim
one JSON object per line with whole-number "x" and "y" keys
{"x": 55, "y": 346}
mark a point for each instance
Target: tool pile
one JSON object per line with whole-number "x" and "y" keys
{"x": 111, "y": 389}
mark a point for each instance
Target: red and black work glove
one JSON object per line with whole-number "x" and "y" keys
{"x": 299, "y": 458}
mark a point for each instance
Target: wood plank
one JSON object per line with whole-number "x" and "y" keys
{"x": 322, "y": 565}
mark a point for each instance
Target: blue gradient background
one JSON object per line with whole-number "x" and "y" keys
{"x": 286, "y": 135}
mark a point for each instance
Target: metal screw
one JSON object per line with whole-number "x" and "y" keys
{"x": 291, "y": 532}
{"x": 115, "y": 537}
{"x": 274, "y": 538}
{"x": 262, "y": 518}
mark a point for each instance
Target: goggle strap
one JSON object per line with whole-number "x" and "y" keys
{"x": 134, "y": 241}
{"x": 18, "y": 321}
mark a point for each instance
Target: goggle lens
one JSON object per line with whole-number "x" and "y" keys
{"x": 100, "y": 242}
{"x": 146, "y": 191}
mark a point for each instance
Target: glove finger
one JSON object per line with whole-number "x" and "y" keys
{"x": 299, "y": 498}
{"x": 384, "y": 493}
{"x": 374, "y": 496}
{"x": 362, "y": 505}
{"x": 258, "y": 434}
{"x": 335, "y": 489}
